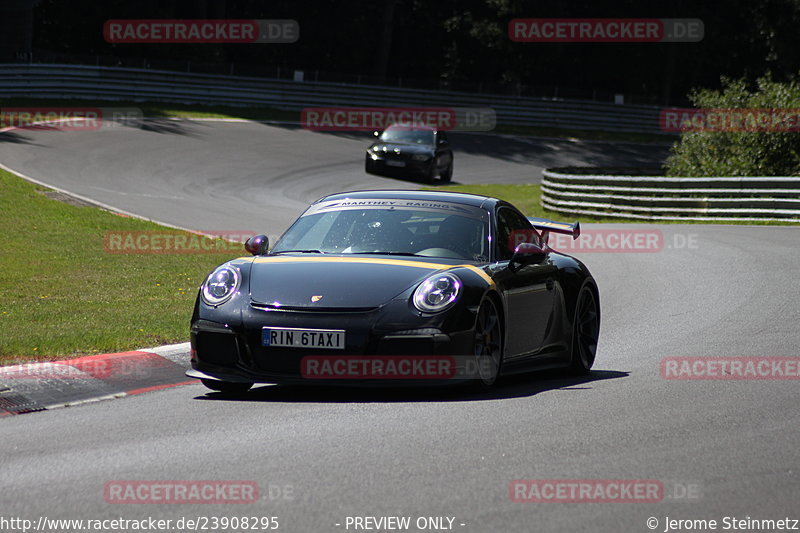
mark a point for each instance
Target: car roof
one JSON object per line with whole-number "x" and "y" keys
{"x": 404, "y": 194}
{"x": 412, "y": 127}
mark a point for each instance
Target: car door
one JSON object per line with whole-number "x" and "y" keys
{"x": 528, "y": 289}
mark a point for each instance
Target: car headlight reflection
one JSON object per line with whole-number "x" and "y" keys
{"x": 437, "y": 293}
{"x": 220, "y": 285}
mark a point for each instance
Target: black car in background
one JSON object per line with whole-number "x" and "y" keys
{"x": 413, "y": 151}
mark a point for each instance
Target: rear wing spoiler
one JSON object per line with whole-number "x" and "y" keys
{"x": 545, "y": 226}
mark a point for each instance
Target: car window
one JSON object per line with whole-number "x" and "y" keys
{"x": 406, "y": 135}
{"x": 399, "y": 231}
{"x": 511, "y": 229}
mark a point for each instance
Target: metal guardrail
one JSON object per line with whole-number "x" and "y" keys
{"x": 113, "y": 83}
{"x": 767, "y": 199}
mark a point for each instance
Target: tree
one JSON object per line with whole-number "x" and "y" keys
{"x": 743, "y": 151}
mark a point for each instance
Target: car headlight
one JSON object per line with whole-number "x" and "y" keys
{"x": 437, "y": 293}
{"x": 420, "y": 157}
{"x": 220, "y": 285}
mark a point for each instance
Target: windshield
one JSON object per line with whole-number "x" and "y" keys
{"x": 389, "y": 231}
{"x": 405, "y": 135}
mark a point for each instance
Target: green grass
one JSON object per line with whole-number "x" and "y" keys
{"x": 527, "y": 198}
{"x": 63, "y": 294}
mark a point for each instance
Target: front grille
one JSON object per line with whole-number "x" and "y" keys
{"x": 220, "y": 349}
{"x": 293, "y": 309}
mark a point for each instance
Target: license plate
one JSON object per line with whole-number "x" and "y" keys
{"x": 391, "y": 163}
{"x": 330, "y": 339}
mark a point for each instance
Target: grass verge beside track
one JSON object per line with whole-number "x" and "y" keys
{"x": 64, "y": 294}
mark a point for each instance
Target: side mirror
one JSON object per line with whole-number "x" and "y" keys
{"x": 257, "y": 245}
{"x": 527, "y": 253}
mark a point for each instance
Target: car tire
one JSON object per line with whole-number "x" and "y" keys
{"x": 226, "y": 386}
{"x": 369, "y": 165}
{"x": 430, "y": 176}
{"x": 487, "y": 345}
{"x": 585, "y": 332}
{"x": 447, "y": 175}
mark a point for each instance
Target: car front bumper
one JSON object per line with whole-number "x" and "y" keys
{"x": 234, "y": 353}
{"x": 404, "y": 165}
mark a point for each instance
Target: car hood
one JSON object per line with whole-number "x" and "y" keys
{"x": 336, "y": 282}
{"x": 404, "y": 148}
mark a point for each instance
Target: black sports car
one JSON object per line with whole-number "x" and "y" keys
{"x": 385, "y": 286}
{"x": 411, "y": 151}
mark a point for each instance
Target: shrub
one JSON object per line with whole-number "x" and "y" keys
{"x": 740, "y": 153}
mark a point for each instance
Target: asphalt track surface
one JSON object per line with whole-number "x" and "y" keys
{"x": 709, "y": 291}
{"x": 222, "y": 175}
